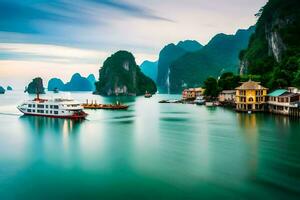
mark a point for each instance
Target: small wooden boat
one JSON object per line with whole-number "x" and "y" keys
{"x": 199, "y": 100}
{"x": 147, "y": 95}
{"x": 212, "y": 104}
{"x": 116, "y": 106}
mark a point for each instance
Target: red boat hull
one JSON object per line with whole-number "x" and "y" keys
{"x": 77, "y": 116}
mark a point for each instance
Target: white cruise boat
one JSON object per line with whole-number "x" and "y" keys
{"x": 58, "y": 108}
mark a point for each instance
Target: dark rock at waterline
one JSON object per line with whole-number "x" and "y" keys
{"x": 2, "y": 90}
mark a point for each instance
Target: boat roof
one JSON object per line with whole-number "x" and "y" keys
{"x": 277, "y": 93}
{"x": 57, "y": 100}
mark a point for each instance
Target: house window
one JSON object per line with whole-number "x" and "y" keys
{"x": 250, "y": 99}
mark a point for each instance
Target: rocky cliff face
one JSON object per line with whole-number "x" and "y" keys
{"x": 120, "y": 75}
{"x": 274, "y": 47}
{"x": 167, "y": 55}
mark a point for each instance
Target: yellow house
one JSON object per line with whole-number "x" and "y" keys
{"x": 251, "y": 96}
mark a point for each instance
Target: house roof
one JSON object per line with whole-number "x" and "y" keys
{"x": 228, "y": 92}
{"x": 289, "y": 94}
{"x": 277, "y": 93}
{"x": 250, "y": 85}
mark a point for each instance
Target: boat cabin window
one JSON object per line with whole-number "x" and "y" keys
{"x": 28, "y": 110}
{"x": 29, "y": 105}
{"x": 55, "y": 107}
{"x": 56, "y": 112}
{"x": 51, "y": 106}
{"x": 46, "y": 106}
{"x": 40, "y": 111}
{"x": 40, "y": 106}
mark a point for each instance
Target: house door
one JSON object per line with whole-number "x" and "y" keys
{"x": 249, "y": 107}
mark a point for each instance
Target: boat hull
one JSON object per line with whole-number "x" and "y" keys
{"x": 74, "y": 116}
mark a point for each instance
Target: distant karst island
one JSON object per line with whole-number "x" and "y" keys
{"x": 77, "y": 83}
{"x": 2, "y": 90}
{"x": 35, "y": 86}
{"x": 120, "y": 75}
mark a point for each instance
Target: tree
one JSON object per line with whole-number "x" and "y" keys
{"x": 228, "y": 81}
{"x": 211, "y": 87}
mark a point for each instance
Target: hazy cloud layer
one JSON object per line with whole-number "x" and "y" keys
{"x": 97, "y": 28}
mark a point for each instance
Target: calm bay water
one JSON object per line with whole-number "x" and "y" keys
{"x": 151, "y": 151}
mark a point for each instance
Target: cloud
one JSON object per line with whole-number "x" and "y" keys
{"x": 26, "y": 61}
{"x": 51, "y": 52}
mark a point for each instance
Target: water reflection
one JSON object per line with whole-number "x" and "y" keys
{"x": 42, "y": 125}
{"x": 249, "y": 128}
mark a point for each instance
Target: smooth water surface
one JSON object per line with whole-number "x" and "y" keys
{"x": 151, "y": 151}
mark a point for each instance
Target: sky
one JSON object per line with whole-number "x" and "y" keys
{"x": 56, "y": 38}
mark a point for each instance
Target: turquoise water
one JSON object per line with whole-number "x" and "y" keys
{"x": 151, "y": 151}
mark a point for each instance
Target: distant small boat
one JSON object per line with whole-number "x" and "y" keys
{"x": 147, "y": 95}
{"x": 116, "y": 106}
{"x": 170, "y": 101}
{"x": 199, "y": 100}
{"x": 209, "y": 104}
{"x": 55, "y": 90}
{"x": 249, "y": 112}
